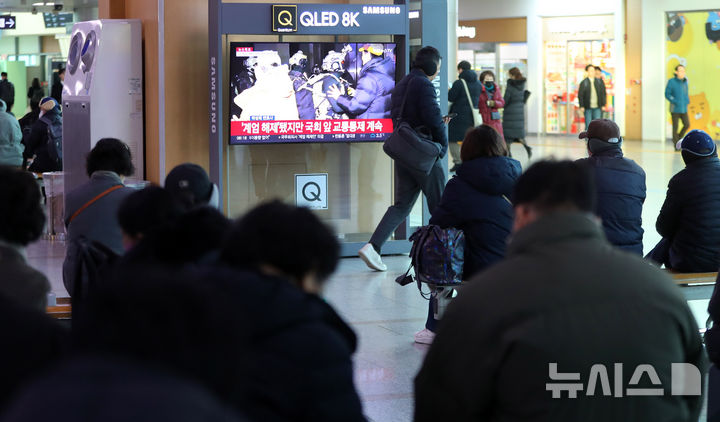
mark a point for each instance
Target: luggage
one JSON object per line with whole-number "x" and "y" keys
{"x": 437, "y": 255}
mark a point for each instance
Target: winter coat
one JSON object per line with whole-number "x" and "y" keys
{"x": 421, "y": 106}
{"x": 676, "y": 92}
{"x": 584, "y": 93}
{"x": 373, "y": 91}
{"x": 20, "y": 282}
{"x": 563, "y": 295}
{"x": 97, "y": 223}
{"x": 7, "y": 93}
{"x": 56, "y": 91}
{"x": 460, "y": 124}
{"x": 690, "y": 217}
{"x": 621, "y": 194}
{"x": 37, "y": 144}
{"x": 476, "y": 201}
{"x": 514, "y": 113}
{"x": 34, "y": 96}
{"x": 303, "y": 97}
{"x": 11, "y": 148}
{"x": 486, "y": 111}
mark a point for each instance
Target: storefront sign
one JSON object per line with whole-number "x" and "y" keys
{"x": 284, "y": 18}
{"x": 311, "y": 191}
{"x": 466, "y": 31}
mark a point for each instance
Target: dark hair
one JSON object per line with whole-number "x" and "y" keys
{"x": 147, "y": 210}
{"x": 35, "y": 83}
{"x": 515, "y": 73}
{"x": 486, "y": 73}
{"x": 588, "y": 67}
{"x": 679, "y": 66}
{"x": 554, "y": 185}
{"x": 110, "y": 154}
{"x": 427, "y": 59}
{"x": 464, "y": 65}
{"x": 21, "y": 214}
{"x": 3, "y": 73}
{"x": 482, "y": 141}
{"x": 61, "y": 71}
{"x": 598, "y": 68}
{"x": 290, "y": 239}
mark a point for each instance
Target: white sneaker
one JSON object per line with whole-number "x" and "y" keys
{"x": 372, "y": 258}
{"x": 424, "y": 336}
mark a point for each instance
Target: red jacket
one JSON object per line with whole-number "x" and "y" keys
{"x": 486, "y": 112}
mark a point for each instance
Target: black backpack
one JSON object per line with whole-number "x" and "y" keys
{"x": 93, "y": 262}
{"x": 54, "y": 139}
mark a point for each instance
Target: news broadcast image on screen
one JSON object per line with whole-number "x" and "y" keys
{"x": 311, "y": 92}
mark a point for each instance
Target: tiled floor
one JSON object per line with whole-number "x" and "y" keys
{"x": 385, "y": 315}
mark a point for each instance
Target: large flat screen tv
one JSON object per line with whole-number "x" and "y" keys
{"x": 311, "y": 92}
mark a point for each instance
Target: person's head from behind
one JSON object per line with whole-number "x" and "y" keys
{"x": 602, "y": 135}
{"x": 590, "y": 70}
{"x": 48, "y": 105}
{"x": 61, "y": 74}
{"x": 21, "y": 214}
{"x": 36, "y": 83}
{"x": 515, "y": 73}
{"x": 428, "y": 60}
{"x": 463, "y": 66}
{"x": 482, "y": 141}
{"x": 680, "y": 71}
{"x": 110, "y": 154}
{"x": 696, "y": 145}
{"x": 144, "y": 211}
{"x": 553, "y": 186}
{"x": 283, "y": 240}
{"x": 3, "y": 76}
{"x": 192, "y": 187}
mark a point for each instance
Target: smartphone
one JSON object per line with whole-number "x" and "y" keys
{"x": 450, "y": 116}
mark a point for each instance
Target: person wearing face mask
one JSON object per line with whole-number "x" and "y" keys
{"x": 418, "y": 108}
{"x": 491, "y": 101}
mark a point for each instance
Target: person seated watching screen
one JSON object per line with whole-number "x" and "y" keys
{"x": 146, "y": 211}
{"x": 21, "y": 222}
{"x": 689, "y": 220}
{"x": 476, "y": 201}
{"x": 620, "y": 185}
{"x": 562, "y": 302}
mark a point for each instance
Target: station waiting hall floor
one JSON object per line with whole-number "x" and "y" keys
{"x": 385, "y": 316}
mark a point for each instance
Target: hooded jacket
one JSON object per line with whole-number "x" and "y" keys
{"x": 514, "y": 112}
{"x": 621, "y": 194}
{"x": 457, "y": 96}
{"x": 690, "y": 217}
{"x": 11, "y": 148}
{"x": 372, "y": 94}
{"x": 563, "y": 295}
{"x": 473, "y": 202}
{"x": 37, "y": 144}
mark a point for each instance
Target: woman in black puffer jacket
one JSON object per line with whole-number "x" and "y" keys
{"x": 514, "y": 113}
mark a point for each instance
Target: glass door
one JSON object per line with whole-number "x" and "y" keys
{"x": 556, "y": 87}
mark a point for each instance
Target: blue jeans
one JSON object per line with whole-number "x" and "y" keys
{"x": 592, "y": 114}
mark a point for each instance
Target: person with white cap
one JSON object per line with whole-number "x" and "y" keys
{"x": 620, "y": 185}
{"x": 689, "y": 220}
{"x": 36, "y": 147}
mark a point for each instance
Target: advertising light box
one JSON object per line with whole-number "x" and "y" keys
{"x": 311, "y": 92}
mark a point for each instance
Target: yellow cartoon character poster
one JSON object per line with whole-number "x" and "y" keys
{"x": 693, "y": 40}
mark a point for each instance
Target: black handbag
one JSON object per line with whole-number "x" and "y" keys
{"x": 411, "y": 147}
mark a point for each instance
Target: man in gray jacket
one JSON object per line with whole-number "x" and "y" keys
{"x": 567, "y": 328}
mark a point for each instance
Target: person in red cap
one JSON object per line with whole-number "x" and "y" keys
{"x": 620, "y": 186}
{"x": 689, "y": 220}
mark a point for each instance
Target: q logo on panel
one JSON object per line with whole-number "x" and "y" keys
{"x": 284, "y": 18}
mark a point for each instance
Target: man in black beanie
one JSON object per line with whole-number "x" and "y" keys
{"x": 620, "y": 186}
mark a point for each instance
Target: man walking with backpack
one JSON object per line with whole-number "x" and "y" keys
{"x": 44, "y": 145}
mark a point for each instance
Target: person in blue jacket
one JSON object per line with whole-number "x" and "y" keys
{"x": 620, "y": 186}
{"x": 374, "y": 87}
{"x": 676, "y": 92}
{"x": 477, "y": 201}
